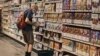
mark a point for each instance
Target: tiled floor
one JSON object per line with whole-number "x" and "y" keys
{"x": 9, "y": 47}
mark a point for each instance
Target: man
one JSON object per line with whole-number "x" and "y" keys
{"x": 27, "y": 30}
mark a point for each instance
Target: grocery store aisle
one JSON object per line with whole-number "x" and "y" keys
{"x": 9, "y": 47}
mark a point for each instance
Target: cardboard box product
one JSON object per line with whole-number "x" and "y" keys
{"x": 94, "y": 36}
{"x": 95, "y": 18}
{"x": 51, "y": 44}
{"x": 66, "y": 4}
{"x": 86, "y": 35}
{"x": 89, "y": 4}
{"x": 73, "y": 5}
{"x": 68, "y": 44}
{"x": 64, "y": 41}
{"x": 86, "y": 50}
{"x": 68, "y": 17}
{"x": 83, "y": 4}
{"x": 93, "y": 51}
{"x": 98, "y": 38}
{"x": 81, "y": 49}
{"x": 98, "y": 52}
{"x": 57, "y": 45}
{"x": 57, "y": 37}
{"x": 45, "y": 48}
{"x": 16, "y": 1}
{"x": 95, "y": 1}
{"x": 77, "y": 47}
{"x": 46, "y": 42}
{"x": 99, "y": 20}
{"x": 99, "y": 7}
{"x": 59, "y": 7}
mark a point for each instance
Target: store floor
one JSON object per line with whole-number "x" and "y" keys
{"x": 9, "y": 47}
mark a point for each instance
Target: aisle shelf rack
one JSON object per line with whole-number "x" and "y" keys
{"x": 88, "y": 11}
{"x": 85, "y": 42}
{"x": 15, "y": 36}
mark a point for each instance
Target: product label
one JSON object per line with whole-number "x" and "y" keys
{"x": 95, "y": 16}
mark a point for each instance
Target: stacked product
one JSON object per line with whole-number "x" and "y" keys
{"x": 77, "y": 4}
{"x": 77, "y": 33}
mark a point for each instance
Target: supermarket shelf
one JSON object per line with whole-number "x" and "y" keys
{"x": 53, "y": 39}
{"x": 6, "y": 5}
{"x": 13, "y": 32}
{"x": 5, "y": 10}
{"x": 96, "y": 29}
{"x": 49, "y": 46}
{"x": 37, "y": 33}
{"x": 4, "y": 15}
{"x": 53, "y": 2}
{"x": 50, "y": 21}
{"x": 82, "y": 24}
{"x": 77, "y": 10}
{"x": 38, "y": 16}
{"x": 36, "y": 48}
{"x": 53, "y": 21}
{"x": 14, "y": 36}
{"x": 72, "y": 52}
{"x": 5, "y": 32}
{"x": 96, "y": 12}
{"x": 69, "y": 51}
{"x": 78, "y": 25}
{"x": 41, "y": 43}
{"x": 32, "y": 2}
{"x": 15, "y": 5}
{"x": 53, "y": 12}
{"x": 57, "y": 31}
{"x": 4, "y": 23}
{"x": 77, "y": 40}
{"x": 36, "y": 2}
{"x": 15, "y": 8}
{"x": 35, "y": 41}
{"x": 59, "y": 50}
{"x": 67, "y": 24}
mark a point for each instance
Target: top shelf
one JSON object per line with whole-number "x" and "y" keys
{"x": 46, "y": 2}
{"x": 78, "y": 25}
{"x": 77, "y": 10}
{"x": 53, "y": 12}
{"x": 36, "y": 2}
{"x": 95, "y": 12}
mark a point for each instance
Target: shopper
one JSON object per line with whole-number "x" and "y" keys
{"x": 27, "y": 28}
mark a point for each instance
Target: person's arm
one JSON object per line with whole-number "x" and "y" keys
{"x": 29, "y": 15}
{"x": 28, "y": 21}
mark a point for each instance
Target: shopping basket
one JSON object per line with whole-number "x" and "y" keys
{"x": 45, "y": 53}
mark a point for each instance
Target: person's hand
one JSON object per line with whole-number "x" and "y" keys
{"x": 37, "y": 24}
{"x": 28, "y": 21}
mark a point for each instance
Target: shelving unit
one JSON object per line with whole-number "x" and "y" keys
{"x": 69, "y": 27}
{"x": 48, "y": 2}
{"x": 77, "y": 11}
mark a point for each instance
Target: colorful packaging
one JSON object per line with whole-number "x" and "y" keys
{"x": 93, "y": 51}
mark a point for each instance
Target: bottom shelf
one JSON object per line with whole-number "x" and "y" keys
{"x": 78, "y": 51}
{"x": 13, "y": 36}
